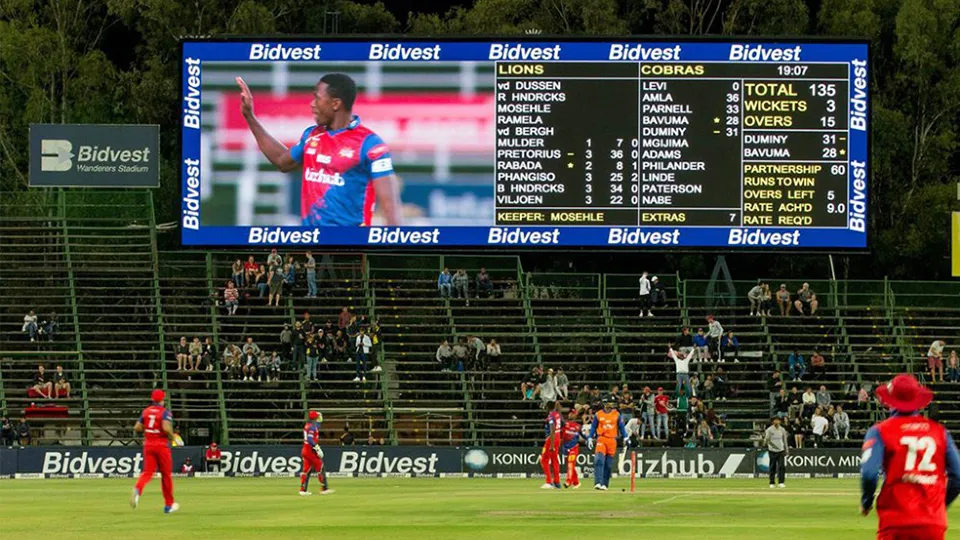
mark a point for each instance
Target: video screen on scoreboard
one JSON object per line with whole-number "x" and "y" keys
{"x": 605, "y": 144}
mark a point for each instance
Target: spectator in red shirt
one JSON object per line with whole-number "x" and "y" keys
{"x": 213, "y": 457}
{"x": 187, "y": 466}
{"x": 250, "y": 268}
{"x": 230, "y": 298}
{"x": 343, "y": 320}
{"x": 660, "y": 407}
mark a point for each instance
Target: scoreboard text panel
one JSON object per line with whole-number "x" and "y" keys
{"x": 665, "y": 144}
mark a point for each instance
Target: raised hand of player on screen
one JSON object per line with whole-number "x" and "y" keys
{"x": 246, "y": 98}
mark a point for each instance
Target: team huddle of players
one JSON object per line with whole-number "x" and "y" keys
{"x": 563, "y": 445}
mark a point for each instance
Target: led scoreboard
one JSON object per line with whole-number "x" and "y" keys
{"x": 742, "y": 144}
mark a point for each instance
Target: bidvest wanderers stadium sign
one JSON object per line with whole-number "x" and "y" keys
{"x": 248, "y": 460}
{"x": 94, "y": 155}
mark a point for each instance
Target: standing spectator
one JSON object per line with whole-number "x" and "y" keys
{"x": 232, "y": 356}
{"x": 8, "y": 432}
{"x": 797, "y": 366}
{"x": 445, "y": 357}
{"x": 346, "y": 438}
{"x": 311, "y": 266}
{"x": 720, "y": 384}
{"x": 563, "y": 385}
{"x": 251, "y": 353}
{"x": 289, "y": 276}
{"x": 363, "y": 349}
{"x": 478, "y": 352}
{"x": 818, "y": 365}
{"x": 783, "y": 300}
{"x": 236, "y": 273}
{"x": 286, "y": 342}
{"x": 484, "y": 284}
{"x": 209, "y": 353}
{"x": 299, "y": 346}
{"x": 774, "y": 386}
{"x": 645, "y": 295}
{"x": 182, "y": 353}
{"x": 809, "y": 402}
{"x": 274, "y": 260}
{"x": 695, "y": 385}
{"x": 344, "y": 318}
{"x": 766, "y": 301}
{"x": 249, "y": 270}
{"x": 730, "y": 346}
{"x": 935, "y": 359}
{"x": 660, "y": 404}
{"x": 823, "y": 397}
{"x": 819, "y": 426}
{"x": 461, "y": 285}
{"x": 714, "y": 332}
{"x": 841, "y": 423}
{"x": 61, "y": 388}
{"x": 782, "y": 405}
{"x": 755, "y": 295}
{"x": 548, "y": 389}
{"x": 313, "y": 357}
{"x": 212, "y": 457}
{"x": 775, "y": 439}
{"x": 702, "y": 346}
{"x": 196, "y": 353}
{"x": 231, "y": 297}
{"x": 953, "y": 367}
{"x": 23, "y": 432}
{"x": 682, "y": 364}
{"x": 493, "y": 349}
{"x": 275, "y": 285}
{"x": 376, "y": 338}
{"x": 445, "y": 283}
{"x": 30, "y": 325}
{"x": 658, "y": 293}
{"x": 647, "y": 412}
{"x": 625, "y": 406}
{"x": 460, "y": 353}
{"x": 806, "y": 302}
{"x": 260, "y": 281}
{"x": 683, "y": 405}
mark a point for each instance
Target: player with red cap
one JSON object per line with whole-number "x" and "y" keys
{"x": 920, "y": 465}
{"x": 156, "y": 424}
{"x": 312, "y": 455}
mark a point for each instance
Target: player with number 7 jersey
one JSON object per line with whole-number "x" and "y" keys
{"x": 920, "y": 465}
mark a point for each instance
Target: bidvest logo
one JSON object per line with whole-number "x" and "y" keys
{"x": 56, "y": 155}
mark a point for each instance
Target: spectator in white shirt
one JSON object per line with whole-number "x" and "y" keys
{"x": 935, "y": 359}
{"x": 364, "y": 344}
{"x": 548, "y": 389}
{"x": 645, "y": 295}
{"x": 445, "y": 356}
{"x": 493, "y": 348}
{"x": 30, "y": 325}
{"x": 683, "y": 368}
{"x": 714, "y": 333}
{"x": 841, "y": 423}
{"x": 819, "y": 425}
{"x": 809, "y": 400}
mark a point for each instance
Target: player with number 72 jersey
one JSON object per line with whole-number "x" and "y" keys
{"x": 920, "y": 465}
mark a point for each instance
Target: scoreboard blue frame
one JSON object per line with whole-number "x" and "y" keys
{"x": 852, "y": 236}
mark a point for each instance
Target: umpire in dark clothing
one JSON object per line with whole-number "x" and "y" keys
{"x": 775, "y": 440}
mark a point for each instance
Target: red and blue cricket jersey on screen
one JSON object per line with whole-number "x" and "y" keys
{"x": 339, "y": 167}
{"x": 570, "y": 441}
{"x": 152, "y": 419}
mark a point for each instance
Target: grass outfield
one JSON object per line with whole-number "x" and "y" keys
{"x": 424, "y": 508}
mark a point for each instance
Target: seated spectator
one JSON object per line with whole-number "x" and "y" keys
{"x": 798, "y": 368}
{"x": 41, "y": 384}
{"x": 260, "y": 281}
{"x": 460, "y": 354}
{"x": 730, "y": 346}
{"x": 445, "y": 283}
{"x": 208, "y": 353}
{"x": 754, "y": 295}
{"x": 781, "y": 407}
{"x": 264, "y": 365}
{"x": 30, "y": 325}
{"x": 251, "y": 353}
{"x": 23, "y": 432}
{"x": 484, "y": 284}
{"x": 250, "y": 270}
{"x": 720, "y": 384}
{"x": 563, "y": 385}
{"x": 766, "y": 301}
{"x": 716, "y": 423}
{"x": 275, "y": 287}
{"x": 237, "y": 273}
{"x": 783, "y": 300}
{"x": 658, "y": 293}
{"x": 806, "y": 302}
{"x": 493, "y": 349}
{"x": 276, "y": 364}
{"x": 340, "y": 346}
{"x": 809, "y": 402}
{"x": 182, "y": 352}
{"x": 841, "y": 424}
{"x": 177, "y": 440}
{"x": 702, "y": 346}
{"x": 8, "y": 432}
{"x": 61, "y": 386}
{"x": 274, "y": 260}
{"x": 774, "y": 385}
{"x": 196, "y": 353}
{"x": 796, "y": 402}
{"x": 445, "y": 357}
{"x": 531, "y": 385}
{"x": 346, "y": 438}
{"x": 461, "y": 285}
{"x": 232, "y": 356}
{"x": 324, "y": 344}
{"x": 798, "y": 430}
{"x": 704, "y": 434}
{"x": 582, "y": 402}
{"x": 212, "y": 457}
{"x": 187, "y": 467}
{"x": 49, "y": 326}
{"x": 953, "y": 367}
{"x": 935, "y": 359}
{"x": 684, "y": 341}
{"x": 231, "y": 298}
{"x": 709, "y": 388}
{"x": 818, "y": 365}
{"x": 823, "y": 397}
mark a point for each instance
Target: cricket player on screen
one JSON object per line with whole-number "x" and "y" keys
{"x": 346, "y": 167}
{"x": 156, "y": 424}
{"x": 920, "y": 465}
{"x": 607, "y": 427}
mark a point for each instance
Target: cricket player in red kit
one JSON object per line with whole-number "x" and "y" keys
{"x": 312, "y": 455}
{"x": 550, "y": 456}
{"x": 920, "y": 465}
{"x": 570, "y": 449}
{"x": 156, "y": 424}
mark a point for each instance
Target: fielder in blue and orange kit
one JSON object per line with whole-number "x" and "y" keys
{"x": 312, "y": 454}
{"x": 550, "y": 455}
{"x": 570, "y": 449}
{"x": 346, "y": 166}
{"x": 920, "y": 465}
{"x": 606, "y": 428}
{"x": 156, "y": 424}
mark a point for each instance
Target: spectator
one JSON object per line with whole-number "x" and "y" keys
{"x": 299, "y": 346}
{"x": 236, "y": 273}
{"x": 625, "y": 405}
{"x": 695, "y": 386}
{"x": 286, "y": 341}
{"x": 645, "y": 406}
{"x": 187, "y": 467}
{"x": 645, "y": 295}
{"x": 493, "y": 349}
{"x": 730, "y": 346}
{"x": 797, "y": 366}
{"x": 531, "y": 385}
{"x": 251, "y": 353}
{"x": 196, "y": 352}
{"x": 250, "y": 271}
{"x": 823, "y": 397}
{"x": 809, "y": 402}
{"x": 563, "y": 385}
{"x": 274, "y": 260}
{"x": 30, "y": 325}
{"x": 344, "y": 318}
{"x": 40, "y": 383}
{"x": 755, "y": 295}
{"x": 582, "y": 402}
{"x": 340, "y": 346}
{"x": 766, "y": 301}
{"x": 231, "y": 298}
{"x": 935, "y": 359}
{"x": 819, "y": 425}
{"x": 445, "y": 357}
{"x": 704, "y": 434}
{"x": 8, "y": 432}
{"x": 709, "y": 387}
{"x": 548, "y": 388}
{"x": 796, "y": 402}
{"x": 311, "y": 266}
{"x": 232, "y": 361}
{"x": 260, "y": 281}
{"x": 774, "y": 386}
{"x": 683, "y": 404}
{"x": 324, "y": 346}
{"x": 275, "y": 284}
{"x": 478, "y": 352}
{"x": 212, "y": 457}
{"x": 208, "y": 353}
{"x": 265, "y": 365}
{"x": 658, "y": 293}
{"x": 798, "y": 430}
{"x": 660, "y": 403}
{"x": 363, "y": 349}
{"x": 484, "y": 284}
{"x": 783, "y": 300}
{"x": 346, "y": 438}
{"x": 375, "y": 337}
{"x": 682, "y": 365}
{"x": 289, "y": 276}
{"x": 720, "y": 384}
{"x": 818, "y": 365}
{"x": 702, "y": 346}
{"x": 714, "y": 332}
{"x": 953, "y": 367}
{"x": 461, "y": 285}
{"x": 177, "y": 439}
{"x": 781, "y": 406}
{"x": 806, "y": 302}
{"x": 313, "y": 357}
{"x": 445, "y": 283}
{"x": 685, "y": 341}
{"x": 841, "y": 423}
{"x": 50, "y": 326}
{"x": 329, "y": 329}
{"x": 715, "y": 422}
{"x": 23, "y": 432}
{"x": 460, "y": 353}
{"x": 61, "y": 384}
